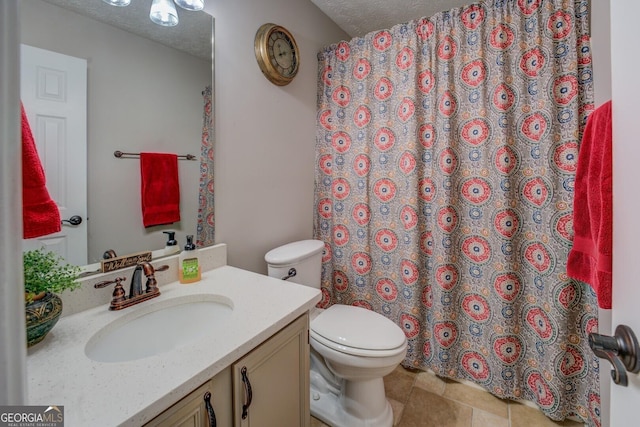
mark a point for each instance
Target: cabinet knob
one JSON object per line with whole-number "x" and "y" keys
{"x": 210, "y": 411}
{"x": 248, "y": 394}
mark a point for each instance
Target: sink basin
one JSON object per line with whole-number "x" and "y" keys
{"x": 151, "y": 330}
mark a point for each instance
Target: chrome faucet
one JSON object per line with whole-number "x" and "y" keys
{"x": 120, "y": 300}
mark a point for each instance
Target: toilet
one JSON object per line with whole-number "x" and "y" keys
{"x": 352, "y": 348}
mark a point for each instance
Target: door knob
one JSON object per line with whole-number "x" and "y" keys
{"x": 74, "y": 220}
{"x": 621, "y": 350}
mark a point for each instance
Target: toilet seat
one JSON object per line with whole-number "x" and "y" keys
{"x": 357, "y": 331}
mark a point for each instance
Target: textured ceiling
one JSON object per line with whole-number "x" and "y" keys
{"x": 359, "y": 17}
{"x": 191, "y": 35}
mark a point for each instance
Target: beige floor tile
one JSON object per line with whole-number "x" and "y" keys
{"x": 422, "y": 399}
{"x": 424, "y": 409}
{"x": 477, "y": 398}
{"x": 485, "y": 419}
{"x": 524, "y": 416}
{"x": 430, "y": 382}
{"x": 397, "y": 385}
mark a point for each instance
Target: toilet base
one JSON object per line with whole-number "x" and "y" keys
{"x": 331, "y": 408}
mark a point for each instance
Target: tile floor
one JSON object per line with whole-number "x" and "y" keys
{"x": 421, "y": 399}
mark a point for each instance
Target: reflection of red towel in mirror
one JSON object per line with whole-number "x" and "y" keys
{"x": 590, "y": 259}
{"x": 160, "y": 188}
{"x": 40, "y": 214}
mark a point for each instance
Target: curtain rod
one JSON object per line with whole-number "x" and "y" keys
{"x": 119, "y": 154}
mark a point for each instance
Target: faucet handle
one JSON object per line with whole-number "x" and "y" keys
{"x": 149, "y": 272}
{"x": 149, "y": 269}
{"x": 106, "y": 283}
{"x": 118, "y": 291}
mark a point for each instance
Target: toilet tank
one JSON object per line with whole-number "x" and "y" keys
{"x": 305, "y": 256}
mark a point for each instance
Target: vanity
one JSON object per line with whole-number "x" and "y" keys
{"x": 248, "y": 360}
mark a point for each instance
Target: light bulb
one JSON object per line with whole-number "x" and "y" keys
{"x": 118, "y": 2}
{"x": 190, "y": 4}
{"x": 163, "y": 12}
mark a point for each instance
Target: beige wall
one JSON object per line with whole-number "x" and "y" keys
{"x": 141, "y": 96}
{"x": 265, "y": 134}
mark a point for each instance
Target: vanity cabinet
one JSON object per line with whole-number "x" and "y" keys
{"x": 191, "y": 411}
{"x": 271, "y": 383}
{"x": 267, "y": 387}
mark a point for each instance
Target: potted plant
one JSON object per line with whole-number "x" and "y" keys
{"x": 45, "y": 274}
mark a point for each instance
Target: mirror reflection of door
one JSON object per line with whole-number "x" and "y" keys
{"x": 53, "y": 89}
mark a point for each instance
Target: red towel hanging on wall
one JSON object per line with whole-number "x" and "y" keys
{"x": 160, "y": 188}
{"x": 590, "y": 259}
{"x": 40, "y": 214}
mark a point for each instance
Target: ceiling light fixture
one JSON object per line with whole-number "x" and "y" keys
{"x": 193, "y": 5}
{"x": 163, "y": 12}
{"x": 120, "y": 3}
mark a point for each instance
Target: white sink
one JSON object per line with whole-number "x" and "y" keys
{"x": 154, "y": 329}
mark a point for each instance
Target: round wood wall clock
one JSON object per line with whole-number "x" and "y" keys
{"x": 277, "y": 54}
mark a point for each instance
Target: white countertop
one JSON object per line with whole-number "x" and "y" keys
{"x": 132, "y": 393}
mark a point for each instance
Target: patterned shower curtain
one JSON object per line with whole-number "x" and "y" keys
{"x": 446, "y": 155}
{"x": 206, "y": 219}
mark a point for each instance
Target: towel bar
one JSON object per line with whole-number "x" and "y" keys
{"x": 119, "y": 154}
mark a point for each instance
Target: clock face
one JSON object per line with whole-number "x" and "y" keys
{"x": 282, "y": 53}
{"x": 277, "y": 54}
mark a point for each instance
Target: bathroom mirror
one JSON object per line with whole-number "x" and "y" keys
{"x": 145, "y": 88}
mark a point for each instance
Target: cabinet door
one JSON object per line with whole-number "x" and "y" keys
{"x": 192, "y": 411}
{"x": 276, "y": 377}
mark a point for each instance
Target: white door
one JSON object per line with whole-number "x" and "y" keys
{"x": 625, "y": 63}
{"x": 53, "y": 89}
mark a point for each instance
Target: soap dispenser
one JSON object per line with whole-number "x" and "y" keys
{"x": 189, "y": 268}
{"x": 171, "y": 247}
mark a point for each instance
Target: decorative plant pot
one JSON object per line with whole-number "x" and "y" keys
{"x": 42, "y": 315}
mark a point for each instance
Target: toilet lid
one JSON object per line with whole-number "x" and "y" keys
{"x": 293, "y": 252}
{"x": 358, "y": 327}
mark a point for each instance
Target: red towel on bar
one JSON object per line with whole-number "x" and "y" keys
{"x": 40, "y": 214}
{"x": 160, "y": 188}
{"x": 590, "y": 259}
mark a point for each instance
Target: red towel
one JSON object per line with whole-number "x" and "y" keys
{"x": 160, "y": 188}
{"x": 590, "y": 259}
{"x": 40, "y": 214}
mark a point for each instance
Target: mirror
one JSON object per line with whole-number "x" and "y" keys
{"x": 144, "y": 94}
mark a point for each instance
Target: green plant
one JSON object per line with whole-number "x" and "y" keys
{"x": 45, "y": 271}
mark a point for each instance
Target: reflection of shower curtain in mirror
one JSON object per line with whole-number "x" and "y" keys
{"x": 446, "y": 156}
{"x": 206, "y": 223}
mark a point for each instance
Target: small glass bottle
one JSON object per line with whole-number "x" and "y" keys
{"x": 189, "y": 268}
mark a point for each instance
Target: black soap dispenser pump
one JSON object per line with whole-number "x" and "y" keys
{"x": 171, "y": 247}
{"x": 189, "y": 268}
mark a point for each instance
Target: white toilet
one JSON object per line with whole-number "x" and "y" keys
{"x": 352, "y": 348}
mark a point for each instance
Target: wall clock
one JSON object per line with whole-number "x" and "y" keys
{"x": 277, "y": 54}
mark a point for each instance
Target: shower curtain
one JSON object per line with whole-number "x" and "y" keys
{"x": 446, "y": 156}
{"x": 206, "y": 221}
